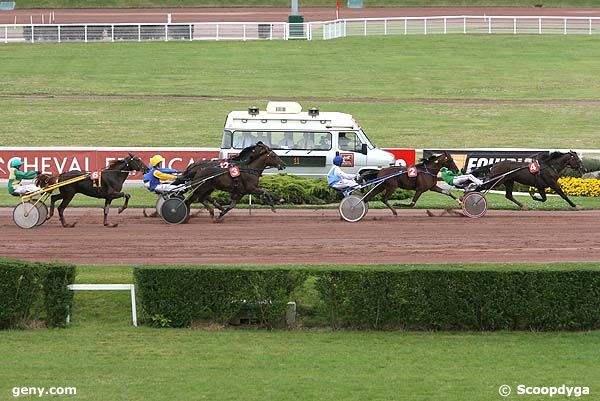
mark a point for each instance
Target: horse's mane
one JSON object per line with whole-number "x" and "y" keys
{"x": 114, "y": 163}
{"x": 244, "y": 153}
{"x": 429, "y": 159}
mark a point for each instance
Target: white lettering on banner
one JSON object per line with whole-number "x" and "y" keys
{"x": 476, "y": 162}
{"x": 45, "y": 165}
{"x": 60, "y": 167}
{"x": 173, "y": 160}
{"x": 75, "y": 164}
{"x": 30, "y": 166}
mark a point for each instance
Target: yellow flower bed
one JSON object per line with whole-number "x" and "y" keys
{"x": 573, "y": 186}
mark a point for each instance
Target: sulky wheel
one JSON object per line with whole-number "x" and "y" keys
{"x": 474, "y": 205}
{"x": 26, "y": 215}
{"x": 352, "y": 208}
{"x": 159, "y": 203}
{"x": 174, "y": 211}
{"x": 43, "y": 211}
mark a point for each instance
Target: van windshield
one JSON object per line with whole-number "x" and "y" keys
{"x": 370, "y": 143}
{"x": 283, "y": 139}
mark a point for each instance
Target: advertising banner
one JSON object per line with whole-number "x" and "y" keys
{"x": 59, "y": 160}
{"x": 402, "y": 155}
{"x": 470, "y": 159}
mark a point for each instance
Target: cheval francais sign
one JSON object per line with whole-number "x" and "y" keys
{"x": 59, "y": 160}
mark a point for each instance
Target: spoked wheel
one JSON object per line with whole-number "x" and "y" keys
{"x": 26, "y": 215}
{"x": 474, "y": 205}
{"x": 174, "y": 210}
{"x": 352, "y": 208}
{"x": 159, "y": 203}
{"x": 43, "y": 210}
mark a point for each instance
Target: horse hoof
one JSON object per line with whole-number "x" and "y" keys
{"x": 69, "y": 225}
{"x": 578, "y": 207}
{"x": 430, "y": 214}
{"x": 524, "y": 208}
{"x": 120, "y": 210}
{"x": 111, "y": 225}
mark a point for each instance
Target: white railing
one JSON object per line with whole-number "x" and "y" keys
{"x": 54, "y": 33}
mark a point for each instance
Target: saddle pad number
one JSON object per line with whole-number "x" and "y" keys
{"x": 234, "y": 171}
{"x": 224, "y": 164}
{"x": 412, "y": 171}
{"x": 95, "y": 175}
{"x": 534, "y": 167}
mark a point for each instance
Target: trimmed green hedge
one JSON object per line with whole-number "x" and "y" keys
{"x": 377, "y": 299}
{"x": 294, "y": 190}
{"x": 178, "y": 296}
{"x": 30, "y": 291}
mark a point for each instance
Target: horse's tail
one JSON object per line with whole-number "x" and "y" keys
{"x": 44, "y": 180}
{"x": 482, "y": 172}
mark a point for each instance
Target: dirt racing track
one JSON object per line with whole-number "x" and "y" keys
{"x": 308, "y": 236}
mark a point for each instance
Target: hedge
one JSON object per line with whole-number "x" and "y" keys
{"x": 34, "y": 291}
{"x": 295, "y": 190}
{"x": 177, "y": 297}
{"x": 376, "y": 299}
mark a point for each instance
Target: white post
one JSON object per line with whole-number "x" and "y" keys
{"x": 6, "y": 34}
{"x": 43, "y": 19}
{"x": 590, "y": 26}
{"x": 133, "y": 308}
{"x": 166, "y": 33}
{"x": 405, "y": 26}
{"x": 139, "y": 33}
{"x": 270, "y": 31}
{"x": 365, "y": 27}
{"x": 490, "y": 25}
{"x": 244, "y": 32}
{"x": 540, "y": 25}
{"x": 58, "y": 33}
{"x": 465, "y": 25}
{"x": 345, "y": 28}
{"x": 112, "y": 33}
{"x": 190, "y": 26}
{"x": 565, "y": 26}
{"x": 425, "y": 26}
{"x": 514, "y": 26}
{"x": 217, "y": 32}
{"x": 32, "y": 34}
{"x": 385, "y": 26}
{"x": 168, "y": 18}
{"x": 85, "y": 33}
{"x": 445, "y": 28}
{"x": 286, "y": 31}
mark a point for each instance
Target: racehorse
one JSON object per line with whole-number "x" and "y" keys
{"x": 109, "y": 186}
{"x": 421, "y": 177}
{"x": 250, "y": 164}
{"x": 550, "y": 165}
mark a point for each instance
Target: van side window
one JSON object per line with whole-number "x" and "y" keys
{"x": 349, "y": 141}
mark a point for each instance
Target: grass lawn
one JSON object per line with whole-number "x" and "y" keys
{"x": 107, "y": 359}
{"x": 415, "y": 91}
{"x": 142, "y": 198}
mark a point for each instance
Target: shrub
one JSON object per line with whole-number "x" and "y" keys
{"x": 34, "y": 291}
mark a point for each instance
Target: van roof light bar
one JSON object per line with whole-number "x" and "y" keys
{"x": 253, "y": 111}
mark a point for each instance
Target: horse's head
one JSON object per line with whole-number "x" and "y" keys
{"x": 443, "y": 160}
{"x": 270, "y": 158}
{"x": 574, "y": 162}
{"x": 44, "y": 180}
{"x": 134, "y": 163}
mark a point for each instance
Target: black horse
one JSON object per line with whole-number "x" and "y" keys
{"x": 550, "y": 166}
{"x": 248, "y": 165}
{"x": 421, "y": 177}
{"x": 108, "y": 188}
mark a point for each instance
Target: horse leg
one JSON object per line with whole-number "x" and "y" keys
{"x": 61, "y": 210}
{"x": 389, "y": 191}
{"x": 126, "y": 203}
{"x": 53, "y": 200}
{"x": 107, "y": 202}
{"x": 542, "y": 193}
{"x": 234, "y": 201}
{"x": 509, "y": 194}
{"x": 558, "y": 190}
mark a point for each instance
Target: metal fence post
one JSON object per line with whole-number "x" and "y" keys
{"x": 445, "y": 28}
{"x": 564, "y": 26}
{"x": 190, "y": 30}
{"x": 385, "y": 26}
{"x": 166, "y": 32}
{"x": 465, "y": 25}
{"x": 405, "y": 26}
{"x": 6, "y": 34}
{"x": 425, "y": 26}
{"x": 244, "y": 33}
{"x": 112, "y": 33}
{"x": 365, "y": 27}
{"x": 590, "y": 26}
{"x": 139, "y": 32}
{"x": 489, "y": 24}
{"x": 217, "y": 33}
{"x": 270, "y": 31}
{"x": 540, "y": 25}
{"x": 514, "y": 26}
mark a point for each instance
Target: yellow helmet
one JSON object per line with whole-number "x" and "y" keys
{"x": 156, "y": 159}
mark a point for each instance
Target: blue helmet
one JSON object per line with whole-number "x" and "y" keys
{"x": 338, "y": 160}
{"x": 16, "y": 162}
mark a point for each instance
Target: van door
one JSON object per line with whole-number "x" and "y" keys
{"x": 351, "y": 147}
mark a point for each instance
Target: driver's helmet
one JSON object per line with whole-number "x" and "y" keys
{"x": 338, "y": 160}
{"x": 16, "y": 162}
{"x": 156, "y": 160}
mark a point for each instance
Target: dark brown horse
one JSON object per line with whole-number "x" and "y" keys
{"x": 421, "y": 177}
{"x": 109, "y": 187}
{"x": 550, "y": 166}
{"x": 251, "y": 163}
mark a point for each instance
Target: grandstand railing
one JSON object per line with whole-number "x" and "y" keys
{"x": 322, "y": 30}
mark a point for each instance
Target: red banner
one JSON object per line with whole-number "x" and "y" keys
{"x": 406, "y": 155}
{"x": 59, "y": 160}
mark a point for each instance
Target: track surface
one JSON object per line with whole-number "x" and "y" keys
{"x": 183, "y": 15}
{"x": 308, "y": 236}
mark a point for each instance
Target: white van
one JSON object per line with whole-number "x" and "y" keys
{"x": 307, "y": 141}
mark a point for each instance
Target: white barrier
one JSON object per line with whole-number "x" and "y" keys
{"x": 108, "y": 287}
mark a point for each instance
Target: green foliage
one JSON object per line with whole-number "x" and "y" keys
{"x": 180, "y": 296}
{"x": 462, "y": 300}
{"x": 34, "y": 291}
{"x": 376, "y": 298}
{"x": 294, "y": 190}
